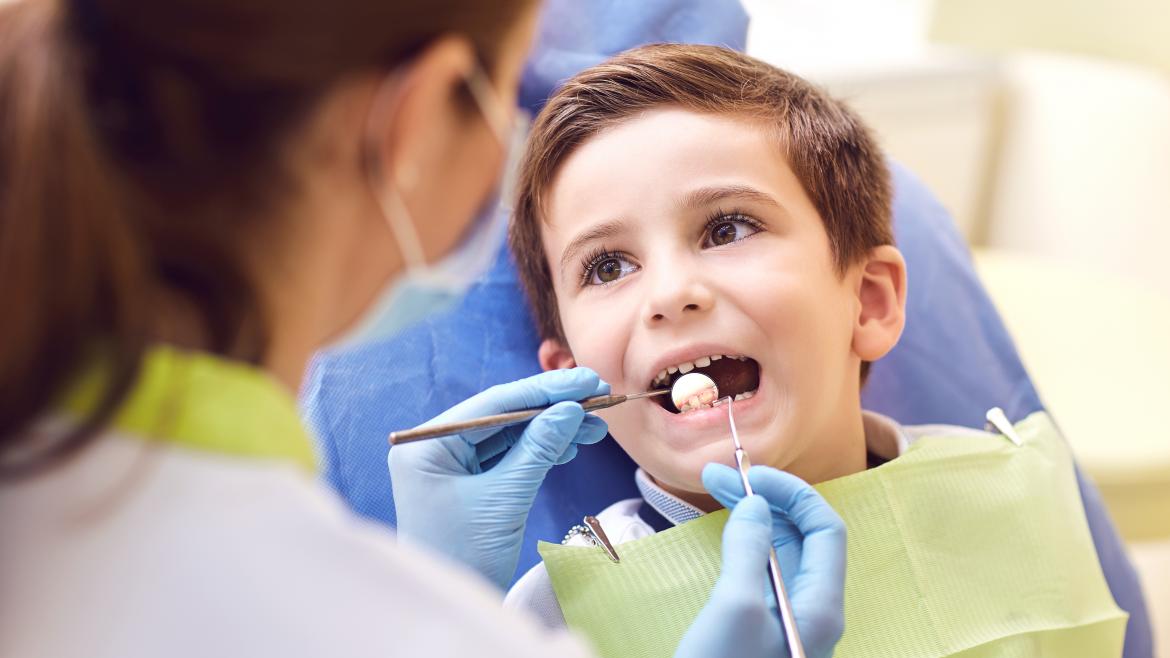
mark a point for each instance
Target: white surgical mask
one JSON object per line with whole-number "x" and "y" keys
{"x": 427, "y": 289}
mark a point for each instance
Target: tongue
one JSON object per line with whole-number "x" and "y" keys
{"x": 733, "y": 376}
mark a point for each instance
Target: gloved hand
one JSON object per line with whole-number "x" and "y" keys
{"x": 741, "y": 618}
{"x": 468, "y": 496}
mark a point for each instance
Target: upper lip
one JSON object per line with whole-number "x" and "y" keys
{"x": 688, "y": 353}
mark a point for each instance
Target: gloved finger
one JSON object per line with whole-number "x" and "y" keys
{"x": 747, "y": 538}
{"x": 789, "y": 495}
{"x": 736, "y": 620}
{"x": 495, "y": 446}
{"x": 592, "y": 430}
{"x": 538, "y": 390}
{"x": 797, "y": 499}
{"x": 567, "y": 456}
{"x": 723, "y": 483}
{"x": 817, "y": 592}
{"x": 545, "y": 440}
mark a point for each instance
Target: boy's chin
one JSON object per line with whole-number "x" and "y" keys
{"x": 682, "y": 472}
{"x": 686, "y": 473}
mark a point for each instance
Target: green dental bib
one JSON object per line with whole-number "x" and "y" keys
{"x": 205, "y": 403}
{"x": 966, "y": 545}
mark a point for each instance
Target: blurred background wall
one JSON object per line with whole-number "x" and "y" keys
{"x": 1044, "y": 127}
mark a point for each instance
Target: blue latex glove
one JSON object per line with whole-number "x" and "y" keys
{"x": 809, "y": 537}
{"x": 468, "y": 496}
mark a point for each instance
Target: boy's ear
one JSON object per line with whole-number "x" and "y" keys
{"x": 881, "y": 296}
{"x": 555, "y": 355}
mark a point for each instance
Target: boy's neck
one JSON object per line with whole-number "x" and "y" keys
{"x": 847, "y": 456}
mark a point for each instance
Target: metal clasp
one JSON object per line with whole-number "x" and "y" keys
{"x": 998, "y": 421}
{"x": 590, "y": 529}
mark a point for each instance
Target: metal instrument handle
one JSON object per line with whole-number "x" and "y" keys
{"x": 505, "y": 419}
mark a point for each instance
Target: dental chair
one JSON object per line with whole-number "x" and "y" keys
{"x": 954, "y": 362}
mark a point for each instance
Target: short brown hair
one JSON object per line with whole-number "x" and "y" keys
{"x": 831, "y": 152}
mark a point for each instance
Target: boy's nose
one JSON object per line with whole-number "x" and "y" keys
{"x": 678, "y": 297}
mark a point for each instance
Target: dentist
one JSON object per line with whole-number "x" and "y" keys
{"x": 194, "y": 197}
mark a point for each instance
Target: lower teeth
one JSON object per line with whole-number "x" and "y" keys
{"x": 695, "y": 405}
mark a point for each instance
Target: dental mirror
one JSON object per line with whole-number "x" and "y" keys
{"x": 693, "y": 390}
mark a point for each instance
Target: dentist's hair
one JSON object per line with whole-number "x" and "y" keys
{"x": 139, "y": 139}
{"x": 837, "y": 161}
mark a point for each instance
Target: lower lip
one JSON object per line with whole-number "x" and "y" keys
{"x": 712, "y": 418}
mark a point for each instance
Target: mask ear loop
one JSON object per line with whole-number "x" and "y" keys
{"x": 510, "y": 128}
{"x": 488, "y": 100}
{"x": 388, "y": 198}
{"x": 386, "y": 195}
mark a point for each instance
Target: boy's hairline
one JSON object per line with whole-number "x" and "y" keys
{"x": 544, "y": 191}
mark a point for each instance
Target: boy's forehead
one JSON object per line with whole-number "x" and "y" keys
{"x": 657, "y": 155}
{"x": 646, "y": 167}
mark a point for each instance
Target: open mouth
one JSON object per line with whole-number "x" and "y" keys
{"x": 736, "y": 376}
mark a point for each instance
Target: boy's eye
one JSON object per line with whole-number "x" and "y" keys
{"x": 727, "y": 230}
{"x": 607, "y": 269}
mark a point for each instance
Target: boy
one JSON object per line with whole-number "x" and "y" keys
{"x": 690, "y": 208}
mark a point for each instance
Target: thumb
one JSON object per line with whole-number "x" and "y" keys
{"x": 747, "y": 539}
{"x": 545, "y": 440}
{"x": 723, "y": 483}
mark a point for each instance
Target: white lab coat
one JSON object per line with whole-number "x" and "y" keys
{"x": 136, "y": 549}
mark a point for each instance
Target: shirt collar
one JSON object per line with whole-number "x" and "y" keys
{"x": 884, "y": 437}
{"x": 671, "y": 507}
{"x": 207, "y": 403}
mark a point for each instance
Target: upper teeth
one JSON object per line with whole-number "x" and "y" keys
{"x": 663, "y": 376}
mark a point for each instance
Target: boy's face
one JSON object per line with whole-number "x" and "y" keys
{"x": 676, "y": 236}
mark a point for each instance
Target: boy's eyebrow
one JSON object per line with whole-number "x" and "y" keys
{"x": 698, "y": 198}
{"x": 705, "y": 196}
{"x": 599, "y": 232}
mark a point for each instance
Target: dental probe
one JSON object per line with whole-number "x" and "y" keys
{"x": 692, "y": 390}
{"x": 795, "y": 648}
{"x": 509, "y": 418}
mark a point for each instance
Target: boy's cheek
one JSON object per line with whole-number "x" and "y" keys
{"x": 643, "y": 447}
{"x": 624, "y": 426}
{"x": 599, "y": 346}
{"x": 682, "y": 470}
